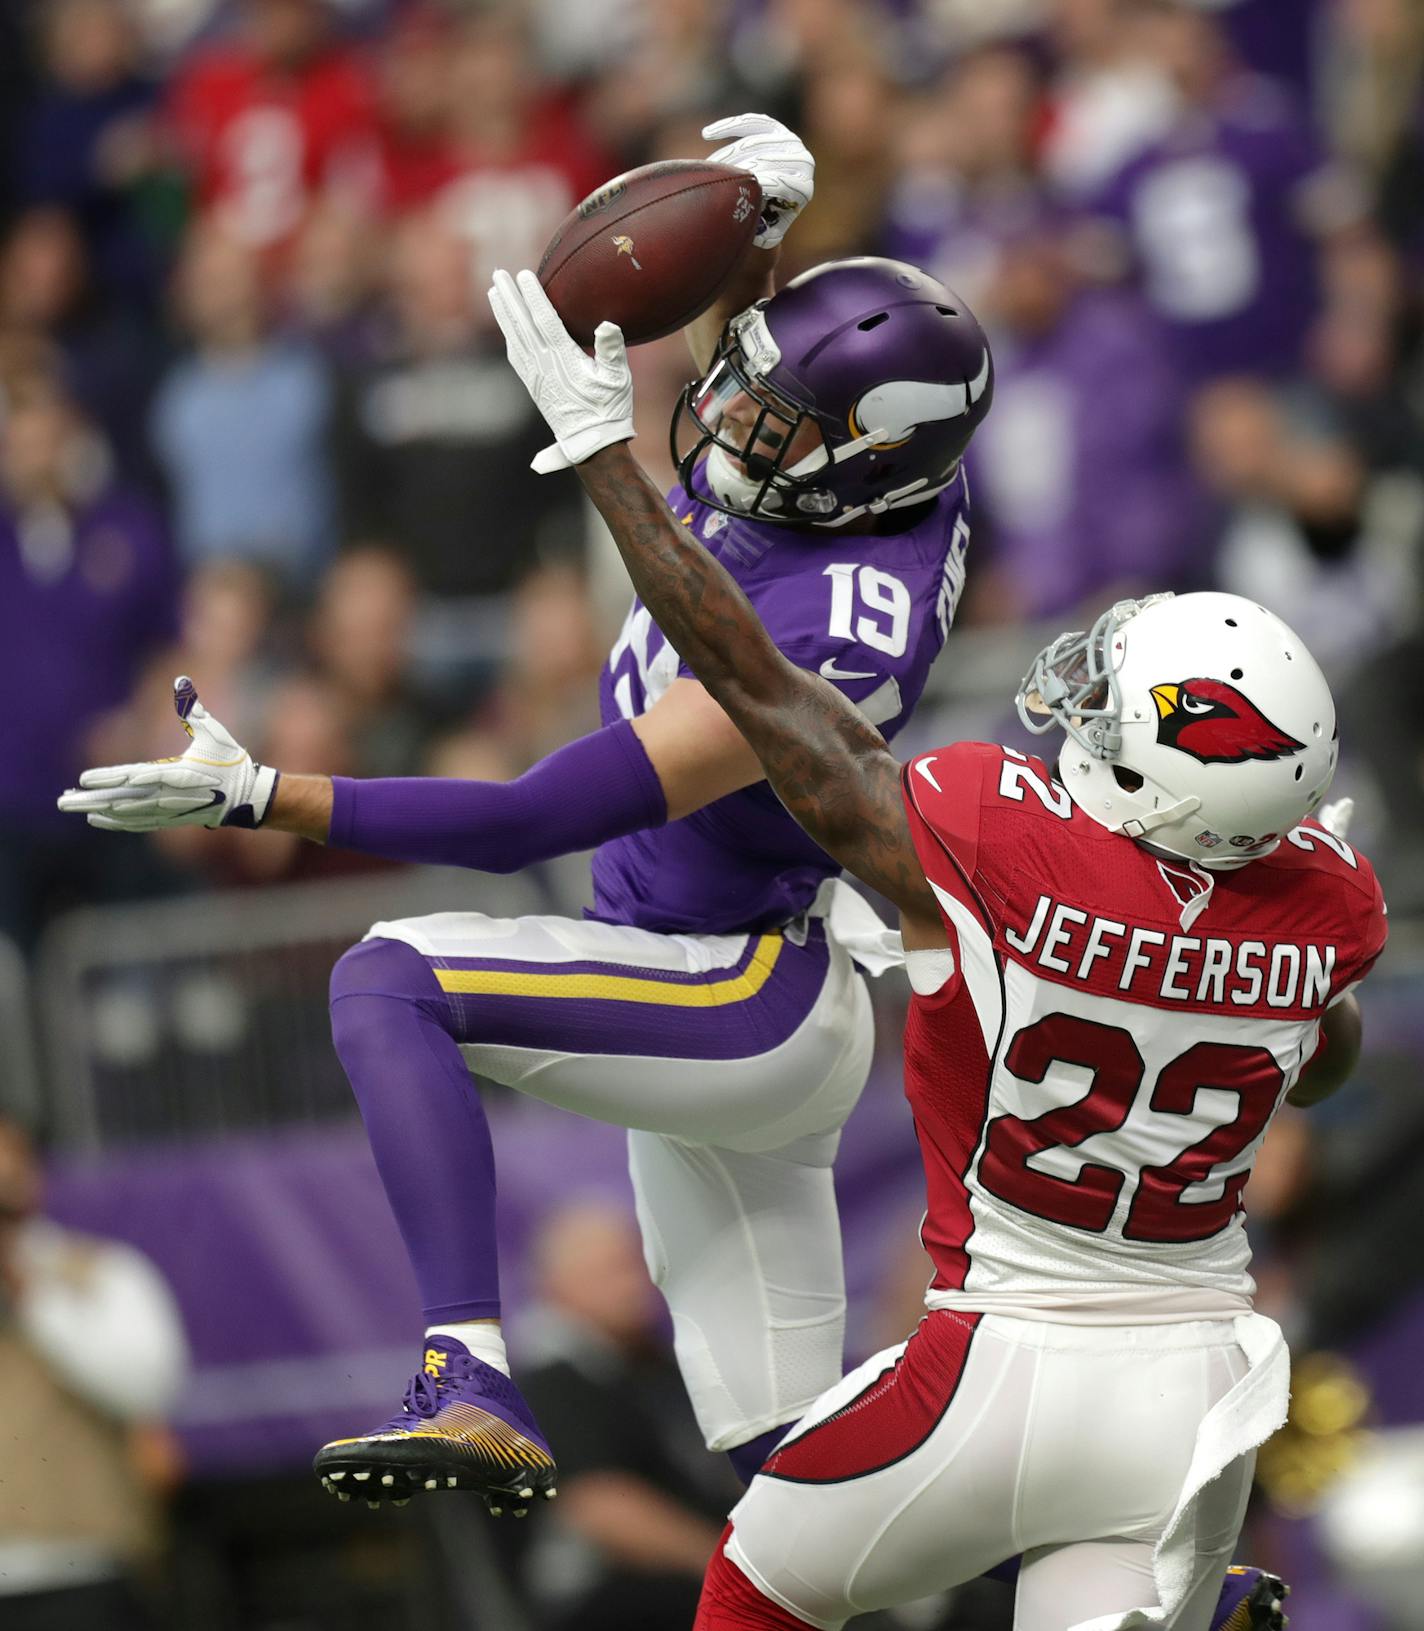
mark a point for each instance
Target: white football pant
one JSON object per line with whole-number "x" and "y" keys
{"x": 986, "y": 1437}
{"x": 734, "y": 1060}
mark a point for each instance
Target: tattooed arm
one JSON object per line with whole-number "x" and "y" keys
{"x": 828, "y": 765}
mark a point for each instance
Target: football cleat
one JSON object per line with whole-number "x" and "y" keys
{"x": 462, "y": 1425}
{"x": 1251, "y": 1600}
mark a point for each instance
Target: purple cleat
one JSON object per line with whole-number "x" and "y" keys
{"x": 1250, "y": 1599}
{"x": 462, "y": 1425}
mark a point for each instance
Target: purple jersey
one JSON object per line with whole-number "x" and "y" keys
{"x": 1221, "y": 215}
{"x": 1080, "y": 469}
{"x": 957, "y": 233}
{"x": 86, "y": 599}
{"x": 870, "y": 613}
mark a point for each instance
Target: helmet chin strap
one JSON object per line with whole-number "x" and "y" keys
{"x": 1140, "y": 826}
{"x": 740, "y": 491}
{"x": 732, "y": 487}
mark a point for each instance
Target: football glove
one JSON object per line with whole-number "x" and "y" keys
{"x": 587, "y": 401}
{"x": 216, "y": 783}
{"x": 780, "y": 161}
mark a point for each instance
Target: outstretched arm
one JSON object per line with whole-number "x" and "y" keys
{"x": 828, "y": 765}
{"x": 786, "y": 173}
{"x": 752, "y": 280}
{"x": 679, "y": 755}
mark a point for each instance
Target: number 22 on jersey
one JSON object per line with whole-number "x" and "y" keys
{"x": 1159, "y": 1211}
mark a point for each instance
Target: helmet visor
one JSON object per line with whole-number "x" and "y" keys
{"x": 756, "y": 429}
{"x": 1073, "y": 683}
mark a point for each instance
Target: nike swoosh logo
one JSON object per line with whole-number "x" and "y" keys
{"x": 829, "y": 671}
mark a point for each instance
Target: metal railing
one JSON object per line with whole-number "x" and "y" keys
{"x": 19, "y": 1066}
{"x": 205, "y": 1014}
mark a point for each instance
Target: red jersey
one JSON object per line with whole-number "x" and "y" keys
{"x": 509, "y": 206}
{"x": 1092, "y": 1083}
{"x": 264, "y": 144}
{"x": 411, "y": 169}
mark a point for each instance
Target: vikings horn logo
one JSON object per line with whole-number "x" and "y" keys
{"x": 624, "y": 245}
{"x": 890, "y": 413}
{"x": 1215, "y": 723}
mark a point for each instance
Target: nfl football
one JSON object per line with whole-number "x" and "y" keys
{"x": 650, "y": 249}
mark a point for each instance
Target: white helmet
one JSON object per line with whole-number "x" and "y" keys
{"x": 1199, "y": 723}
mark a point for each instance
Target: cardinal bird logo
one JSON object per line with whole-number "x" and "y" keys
{"x": 1216, "y": 724}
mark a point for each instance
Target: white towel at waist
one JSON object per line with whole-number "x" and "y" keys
{"x": 853, "y": 922}
{"x": 1237, "y": 1423}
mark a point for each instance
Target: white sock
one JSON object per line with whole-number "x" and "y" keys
{"x": 484, "y": 1339}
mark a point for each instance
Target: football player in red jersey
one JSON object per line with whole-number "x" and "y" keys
{"x": 1121, "y": 967}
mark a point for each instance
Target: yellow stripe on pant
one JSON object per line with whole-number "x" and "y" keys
{"x": 618, "y": 987}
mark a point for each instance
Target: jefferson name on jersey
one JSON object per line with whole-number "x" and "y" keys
{"x": 1082, "y": 907}
{"x": 1150, "y": 965}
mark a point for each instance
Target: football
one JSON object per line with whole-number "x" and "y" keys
{"x": 650, "y": 249}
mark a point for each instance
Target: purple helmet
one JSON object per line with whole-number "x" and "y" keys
{"x": 888, "y": 364}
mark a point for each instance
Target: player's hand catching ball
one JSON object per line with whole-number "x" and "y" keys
{"x": 780, "y": 161}
{"x": 216, "y": 783}
{"x": 587, "y": 401}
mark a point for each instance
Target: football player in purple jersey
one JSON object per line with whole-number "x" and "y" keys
{"x": 713, "y": 1001}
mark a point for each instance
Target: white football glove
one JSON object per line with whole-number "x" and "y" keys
{"x": 1335, "y": 817}
{"x": 587, "y": 401}
{"x": 215, "y": 784}
{"x": 780, "y": 161}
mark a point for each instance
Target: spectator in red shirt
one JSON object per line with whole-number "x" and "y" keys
{"x": 414, "y": 92}
{"x": 523, "y": 154}
{"x": 275, "y": 118}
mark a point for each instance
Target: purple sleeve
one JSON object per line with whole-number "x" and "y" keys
{"x": 597, "y": 788}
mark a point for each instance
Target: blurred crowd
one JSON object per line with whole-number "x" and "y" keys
{"x": 255, "y": 424}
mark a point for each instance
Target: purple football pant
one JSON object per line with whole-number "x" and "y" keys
{"x": 733, "y": 1060}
